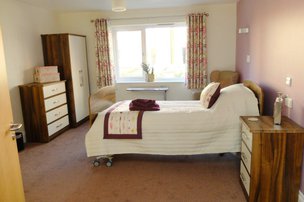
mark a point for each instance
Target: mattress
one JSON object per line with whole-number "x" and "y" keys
{"x": 182, "y": 127}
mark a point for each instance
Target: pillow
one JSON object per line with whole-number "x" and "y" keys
{"x": 210, "y": 94}
{"x": 237, "y": 99}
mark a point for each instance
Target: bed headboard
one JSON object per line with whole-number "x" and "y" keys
{"x": 257, "y": 90}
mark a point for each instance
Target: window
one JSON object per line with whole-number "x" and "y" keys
{"x": 129, "y": 45}
{"x": 161, "y": 47}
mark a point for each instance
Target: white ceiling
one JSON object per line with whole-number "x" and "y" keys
{"x": 96, "y": 5}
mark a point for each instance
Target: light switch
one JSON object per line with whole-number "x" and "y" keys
{"x": 288, "y": 81}
{"x": 248, "y": 59}
{"x": 243, "y": 30}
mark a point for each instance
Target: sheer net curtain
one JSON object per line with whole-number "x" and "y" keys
{"x": 104, "y": 69}
{"x": 197, "y": 51}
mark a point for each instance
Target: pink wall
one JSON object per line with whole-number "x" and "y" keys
{"x": 275, "y": 43}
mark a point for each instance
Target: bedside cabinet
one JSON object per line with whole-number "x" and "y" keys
{"x": 45, "y": 111}
{"x": 271, "y": 159}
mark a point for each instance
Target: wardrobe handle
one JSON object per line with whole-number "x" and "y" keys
{"x": 80, "y": 78}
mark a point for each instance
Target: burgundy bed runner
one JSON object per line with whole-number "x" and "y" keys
{"x": 121, "y": 123}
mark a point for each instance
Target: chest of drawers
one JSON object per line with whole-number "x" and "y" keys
{"x": 45, "y": 110}
{"x": 271, "y": 159}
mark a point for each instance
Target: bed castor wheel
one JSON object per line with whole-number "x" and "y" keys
{"x": 96, "y": 163}
{"x": 109, "y": 163}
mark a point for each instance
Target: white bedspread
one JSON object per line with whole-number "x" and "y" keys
{"x": 182, "y": 127}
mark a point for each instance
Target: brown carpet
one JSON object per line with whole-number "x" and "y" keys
{"x": 60, "y": 171}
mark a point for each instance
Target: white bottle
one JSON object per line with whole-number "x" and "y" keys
{"x": 277, "y": 109}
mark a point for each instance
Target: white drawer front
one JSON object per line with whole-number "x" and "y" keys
{"x": 53, "y": 89}
{"x": 245, "y": 178}
{"x": 56, "y": 113}
{"x": 58, "y": 125}
{"x": 53, "y": 102}
{"x": 247, "y": 137}
{"x": 246, "y": 156}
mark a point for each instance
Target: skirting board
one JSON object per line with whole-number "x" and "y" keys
{"x": 301, "y": 197}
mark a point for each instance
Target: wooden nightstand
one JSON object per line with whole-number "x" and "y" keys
{"x": 271, "y": 159}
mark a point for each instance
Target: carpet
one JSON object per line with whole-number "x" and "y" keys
{"x": 60, "y": 171}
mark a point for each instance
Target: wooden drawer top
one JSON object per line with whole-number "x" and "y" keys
{"x": 41, "y": 84}
{"x": 265, "y": 124}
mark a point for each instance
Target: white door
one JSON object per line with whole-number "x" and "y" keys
{"x": 80, "y": 80}
{"x": 11, "y": 188}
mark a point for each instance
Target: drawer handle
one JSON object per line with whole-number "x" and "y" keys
{"x": 245, "y": 135}
{"x": 59, "y": 125}
{"x": 54, "y": 89}
{"x": 57, "y": 114}
{"x": 242, "y": 177}
{"x": 244, "y": 156}
{"x": 55, "y": 102}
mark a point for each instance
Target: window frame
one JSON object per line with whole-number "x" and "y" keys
{"x": 142, "y": 28}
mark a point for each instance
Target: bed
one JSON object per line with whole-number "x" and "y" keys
{"x": 182, "y": 127}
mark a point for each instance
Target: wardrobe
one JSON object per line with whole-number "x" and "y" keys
{"x": 68, "y": 52}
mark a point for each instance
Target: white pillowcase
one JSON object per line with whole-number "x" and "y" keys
{"x": 237, "y": 99}
{"x": 210, "y": 94}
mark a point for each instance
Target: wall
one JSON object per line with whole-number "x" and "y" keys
{"x": 275, "y": 43}
{"x": 221, "y": 26}
{"x": 21, "y": 26}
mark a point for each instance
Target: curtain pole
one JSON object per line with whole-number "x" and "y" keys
{"x": 133, "y": 18}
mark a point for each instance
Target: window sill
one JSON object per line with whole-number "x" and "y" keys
{"x": 154, "y": 82}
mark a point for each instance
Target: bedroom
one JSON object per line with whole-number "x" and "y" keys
{"x": 275, "y": 52}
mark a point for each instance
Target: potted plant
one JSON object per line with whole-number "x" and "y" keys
{"x": 149, "y": 77}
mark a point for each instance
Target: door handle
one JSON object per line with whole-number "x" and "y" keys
{"x": 15, "y": 126}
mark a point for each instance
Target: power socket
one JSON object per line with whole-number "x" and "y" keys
{"x": 288, "y": 102}
{"x": 288, "y": 81}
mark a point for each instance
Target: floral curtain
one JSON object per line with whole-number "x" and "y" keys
{"x": 197, "y": 51}
{"x": 103, "y": 64}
